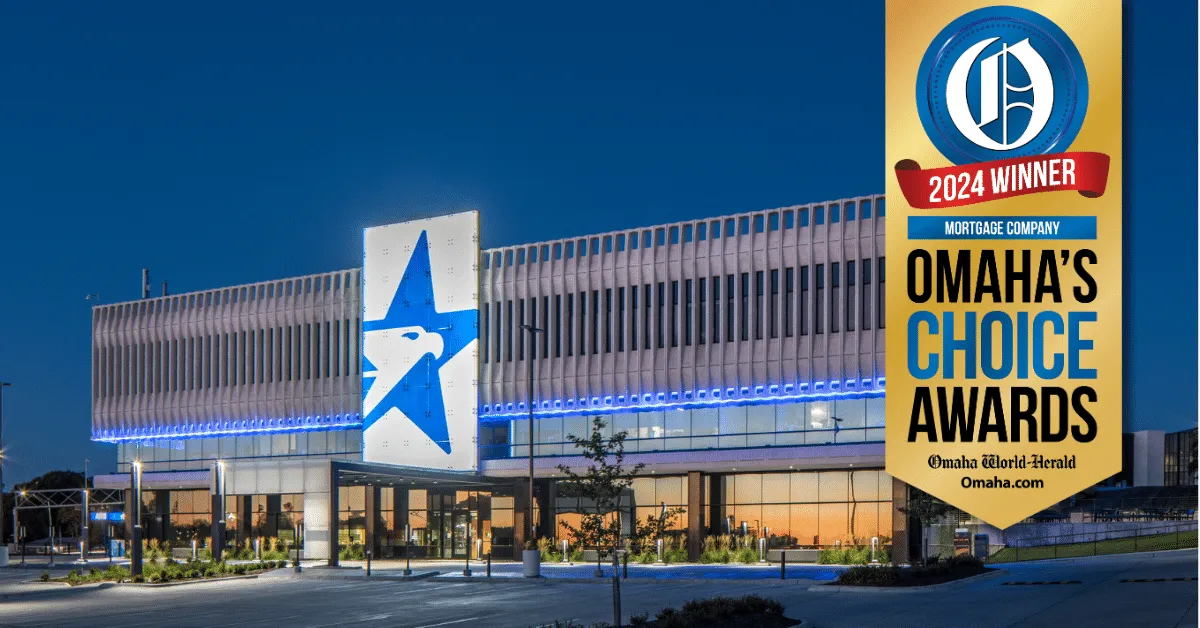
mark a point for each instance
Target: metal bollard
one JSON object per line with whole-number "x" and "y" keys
{"x": 489, "y": 565}
{"x": 616, "y": 585}
{"x": 625, "y": 565}
{"x": 368, "y": 563}
{"x": 408, "y": 558}
{"x": 783, "y": 564}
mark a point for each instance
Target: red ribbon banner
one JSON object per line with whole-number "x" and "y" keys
{"x": 955, "y": 186}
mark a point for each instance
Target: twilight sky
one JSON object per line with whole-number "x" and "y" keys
{"x": 221, "y": 144}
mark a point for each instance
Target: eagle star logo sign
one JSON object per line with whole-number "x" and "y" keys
{"x": 404, "y": 351}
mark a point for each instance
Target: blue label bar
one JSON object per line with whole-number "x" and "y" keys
{"x": 1001, "y": 228}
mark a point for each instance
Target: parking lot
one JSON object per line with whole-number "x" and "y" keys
{"x": 1106, "y": 592}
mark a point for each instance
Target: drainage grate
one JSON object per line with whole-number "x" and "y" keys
{"x": 1022, "y": 582}
{"x": 1191, "y": 579}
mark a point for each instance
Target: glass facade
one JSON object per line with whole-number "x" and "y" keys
{"x": 808, "y": 508}
{"x": 722, "y": 427}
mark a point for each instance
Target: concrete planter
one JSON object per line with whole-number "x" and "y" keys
{"x": 531, "y": 562}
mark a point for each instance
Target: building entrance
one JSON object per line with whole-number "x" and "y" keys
{"x": 456, "y": 523}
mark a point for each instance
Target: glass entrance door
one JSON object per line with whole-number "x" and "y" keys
{"x": 461, "y": 518}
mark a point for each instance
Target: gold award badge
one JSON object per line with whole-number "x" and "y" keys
{"x": 1004, "y": 185}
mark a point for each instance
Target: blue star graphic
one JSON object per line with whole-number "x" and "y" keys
{"x": 436, "y": 336}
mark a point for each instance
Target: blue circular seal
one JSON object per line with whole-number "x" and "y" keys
{"x": 1001, "y": 82}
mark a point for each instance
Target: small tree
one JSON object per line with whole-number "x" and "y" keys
{"x": 654, "y": 527}
{"x": 925, "y": 509}
{"x": 601, "y": 486}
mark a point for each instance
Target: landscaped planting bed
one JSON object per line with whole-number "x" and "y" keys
{"x": 170, "y": 571}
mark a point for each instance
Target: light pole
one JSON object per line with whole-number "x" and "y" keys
{"x": 135, "y": 553}
{"x": 3, "y": 545}
{"x": 529, "y": 355}
{"x": 83, "y": 542}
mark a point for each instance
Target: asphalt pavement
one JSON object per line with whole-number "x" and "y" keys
{"x": 1151, "y": 590}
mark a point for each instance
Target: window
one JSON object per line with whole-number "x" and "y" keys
{"x": 866, "y": 293}
{"x": 583, "y": 323}
{"x": 819, "y": 306}
{"x": 788, "y": 292}
{"x": 745, "y": 311}
{"x": 687, "y": 313}
{"x": 662, "y": 304}
{"x": 835, "y": 214}
{"x": 759, "y": 290}
{"x": 499, "y": 332}
{"x": 570, "y": 325}
{"x": 879, "y": 211}
{"x": 804, "y": 217}
{"x": 508, "y": 326}
{"x": 729, "y": 288}
{"x": 546, "y": 326}
{"x": 533, "y": 312}
{"x": 849, "y": 218}
{"x": 835, "y": 283}
{"x": 716, "y": 309}
{"x": 674, "y": 314}
{"x": 558, "y": 326}
{"x": 620, "y": 319}
{"x": 608, "y": 309}
{"x": 518, "y": 336}
{"x": 634, "y": 312}
{"x": 866, "y": 210}
{"x": 882, "y": 298}
{"x": 646, "y": 316}
{"x": 804, "y": 300}
{"x": 595, "y": 320}
{"x": 819, "y": 215}
{"x": 716, "y": 229}
{"x": 774, "y": 303}
{"x": 702, "y": 300}
{"x": 850, "y": 295}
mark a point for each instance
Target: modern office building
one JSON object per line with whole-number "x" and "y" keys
{"x": 743, "y": 355}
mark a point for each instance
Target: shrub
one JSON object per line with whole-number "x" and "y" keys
{"x": 870, "y": 576}
{"x": 677, "y": 555}
{"x": 646, "y": 558}
{"x": 45, "y": 577}
{"x": 720, "y": 611}
{"x": 747, "y": 555}
{"x": 715, "y": 556}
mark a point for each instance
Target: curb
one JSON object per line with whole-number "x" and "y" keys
{"x": 608, "y": 580}
{"x": 178, "y": 583}
{"x": 853, "y": 588}
{"x": 362, "y": 576}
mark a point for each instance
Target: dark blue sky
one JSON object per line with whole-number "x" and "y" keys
{"x": 224, "y": 144}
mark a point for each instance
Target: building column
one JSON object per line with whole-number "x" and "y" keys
{"x": 695, "y": 515}
{"x": 900, "y": 528}
{"x": 545, "y": 518}
{"x": 129, "y": 510}
{"x": 334, "y": 521}
{"x": 716, "y": 506}
{"x": 520, "y": 521}
{"x": 162, "y": 514}
{"x": 400, "y": 517}
{"x": 374, "y": 524}
{"x": 315, "y": 533}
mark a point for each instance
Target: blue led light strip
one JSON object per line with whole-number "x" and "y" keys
{"x": 689, "y": 400}
{"x": 230, "y": 427}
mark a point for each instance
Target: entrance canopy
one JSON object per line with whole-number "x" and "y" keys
{"x": 348, "y": 473}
